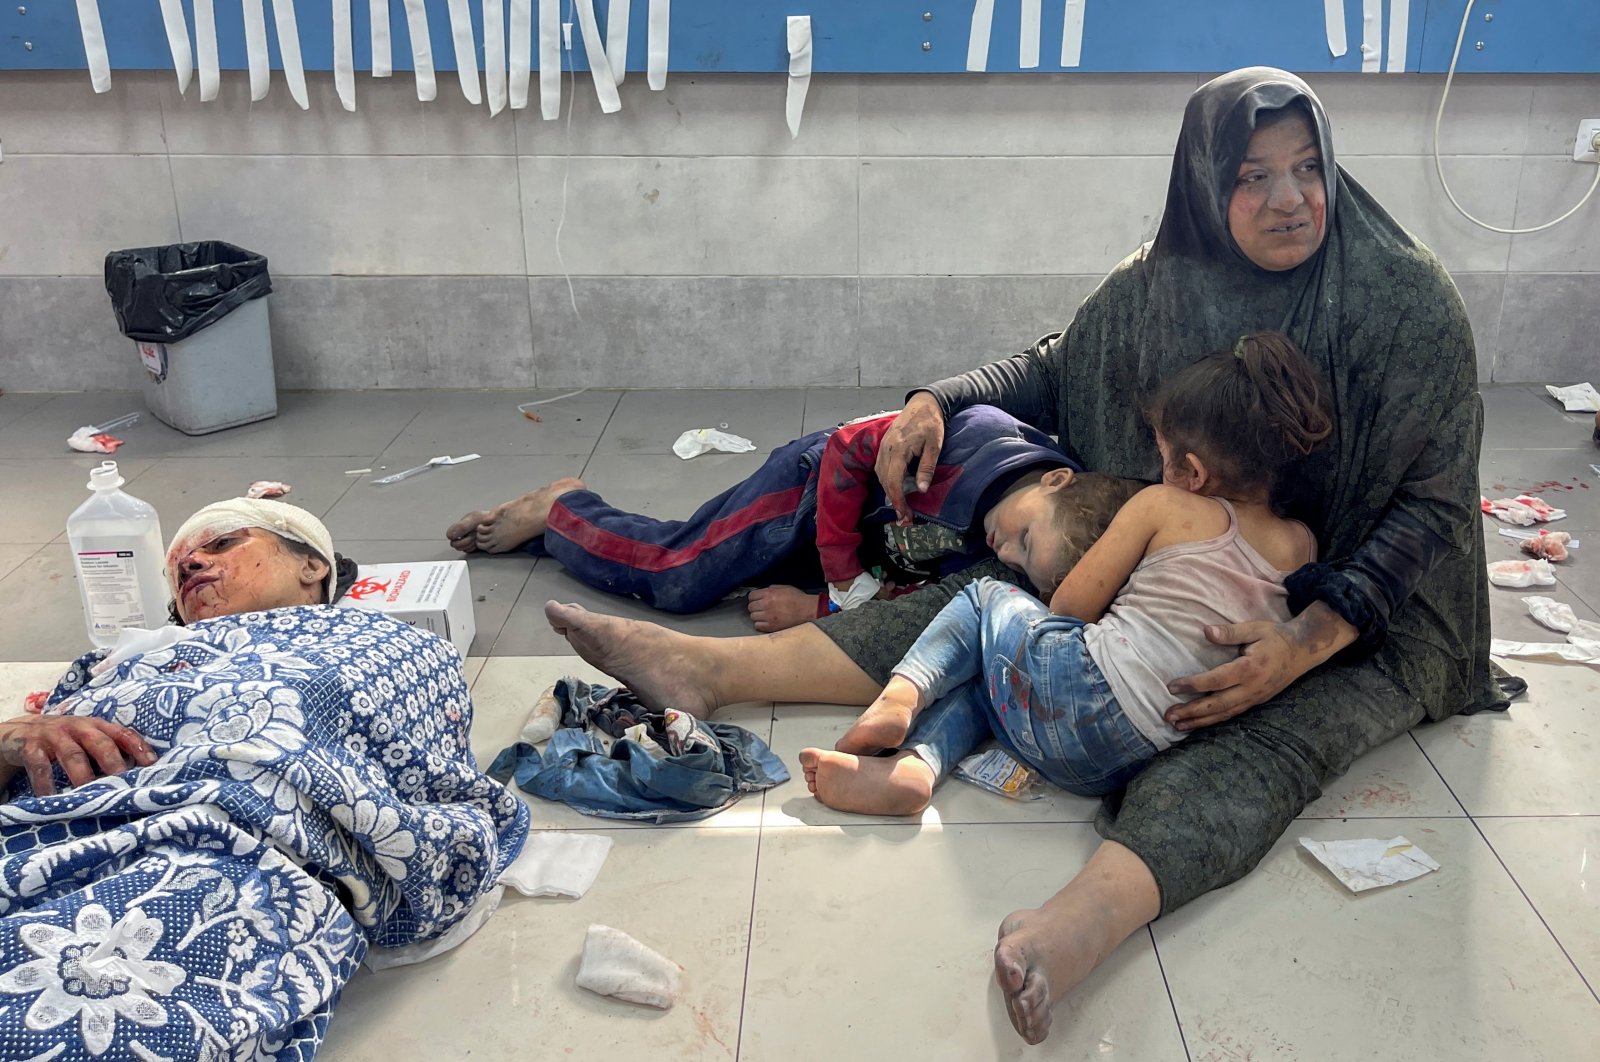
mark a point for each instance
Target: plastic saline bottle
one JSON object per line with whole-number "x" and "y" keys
{"x": 116, "y": 543}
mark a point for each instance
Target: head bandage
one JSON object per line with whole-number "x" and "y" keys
{"x": 235, "y": 514}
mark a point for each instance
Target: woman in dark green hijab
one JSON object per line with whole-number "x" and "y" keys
{"x": 1262, "y": 231}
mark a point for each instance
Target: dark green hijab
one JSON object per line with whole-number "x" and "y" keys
{"x": 1375, "y": 310}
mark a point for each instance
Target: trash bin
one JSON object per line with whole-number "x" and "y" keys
{"x": 198, "y": 313}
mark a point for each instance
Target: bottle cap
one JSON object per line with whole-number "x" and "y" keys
{"x": 105, "y": 477}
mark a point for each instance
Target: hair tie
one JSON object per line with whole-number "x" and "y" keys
{"x": 1238, "y": 348}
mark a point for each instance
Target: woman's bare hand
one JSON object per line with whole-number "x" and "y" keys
{"x": 85, "y": 748}
{"x": 917, "y": 435}
{"x": 1271, "y": 656}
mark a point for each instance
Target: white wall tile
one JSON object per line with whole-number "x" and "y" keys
{"x": 1001, "y": 215}
{"x": 700, "y": 114}
{"x": 60, "y": 214}
{"x": 695, "y": 331}
{"x": 58, "y": 112}
{"x": 1052, "y": 114}
{"x": 388, "y": 120}
{"x": 731, "y": 216}
{"x": 1487, "y": 114}
{"x": 359, "y": 215}
{"x": 1560, "y": 101}
{"x": 1550, "y": 187}
{"x": 59, "y": 334}
{"x": 1409, "y": 189}
{"x": 1549, "y": 329}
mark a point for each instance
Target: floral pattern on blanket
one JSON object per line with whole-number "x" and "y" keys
{"x": 314, "y": 794}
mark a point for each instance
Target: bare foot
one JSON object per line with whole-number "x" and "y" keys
{"x": 777, "y": 608}
{"x": 1046, "y": 952}
{"x": 885, "y": 723}
{"x": 868, "y": 785}
{"x": 512, "y": 523}
{"x": 649, "y": 659}
{"x": 463, "y": 534}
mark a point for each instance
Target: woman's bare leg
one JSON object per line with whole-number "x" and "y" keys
{"x": 1045, "y": 952}
{"x": 669, "y": 669}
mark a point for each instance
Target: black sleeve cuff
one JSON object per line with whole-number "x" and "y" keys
{"x": 1321, "y": 582}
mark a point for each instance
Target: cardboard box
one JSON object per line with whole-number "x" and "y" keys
{"x": 433, "y": 595}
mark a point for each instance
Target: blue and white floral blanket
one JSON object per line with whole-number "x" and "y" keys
{"x": 314, "y": 794}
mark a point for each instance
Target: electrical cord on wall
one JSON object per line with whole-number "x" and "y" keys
{"x": 1438, "y": 164}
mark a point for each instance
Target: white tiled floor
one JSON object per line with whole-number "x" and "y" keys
{"x": 805, "y": 933}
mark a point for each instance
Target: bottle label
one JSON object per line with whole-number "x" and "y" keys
{"x": 111, "y": 587}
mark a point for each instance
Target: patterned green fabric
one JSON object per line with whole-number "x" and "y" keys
{"x": 1376, "y": 311}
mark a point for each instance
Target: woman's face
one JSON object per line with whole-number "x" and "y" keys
{"x": 244, "y": 571}
{"x": 1278, "y": 210}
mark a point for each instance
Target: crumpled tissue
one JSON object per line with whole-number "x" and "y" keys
{"x": 1579, "y": 398}
{"x": 614, "y": 964}
{"x": 1371, "y": 863}
{"x": 91, "y": 440}
{"x": 862, "y": 589}
{"x": 697, "y": 441}
{"x": 1522, "y": 510}
{"x": 544, "y": 718}
{"x": 1519, "y": 574}
{"x": 267, "y": 488}
{"x": 1557, "y": 615}
{"x": 1581, "y": 647}
{"x": 557, "y": 863}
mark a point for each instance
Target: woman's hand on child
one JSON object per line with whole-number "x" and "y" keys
{"x": 1271, "y": 656}
{"x": 917, "y": 434}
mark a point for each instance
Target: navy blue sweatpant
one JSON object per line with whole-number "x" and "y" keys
{"x": 687, "y": 565}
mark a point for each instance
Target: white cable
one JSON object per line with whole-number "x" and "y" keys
{"x": 1439, "y": 165}
{"x": 561, "y": 222}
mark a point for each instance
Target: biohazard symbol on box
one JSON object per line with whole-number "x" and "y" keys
{"x": 362, "y": 589}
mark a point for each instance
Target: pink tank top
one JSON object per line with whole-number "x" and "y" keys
{"x": 1154, "y": 632}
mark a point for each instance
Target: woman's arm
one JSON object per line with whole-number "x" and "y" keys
{"x": 1094, "y": 582}
{"x": 1023, "y": 385}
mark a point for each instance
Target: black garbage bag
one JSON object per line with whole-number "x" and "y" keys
{"x": 164, "y": 294}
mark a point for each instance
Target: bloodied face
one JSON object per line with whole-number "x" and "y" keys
{"x": 247, "y": 570}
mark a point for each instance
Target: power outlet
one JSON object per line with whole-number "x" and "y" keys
{"x": 1583, "y": 146}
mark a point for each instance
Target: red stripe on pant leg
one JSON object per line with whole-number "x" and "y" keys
{"x": 649, "y": 557}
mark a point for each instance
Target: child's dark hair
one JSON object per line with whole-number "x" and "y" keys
{"x": 1245, "y": 412}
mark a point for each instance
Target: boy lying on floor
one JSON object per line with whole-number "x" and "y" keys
{"x": 816, "y": 501}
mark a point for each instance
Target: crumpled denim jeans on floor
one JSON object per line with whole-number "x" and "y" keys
{"x": 595, "y": 763}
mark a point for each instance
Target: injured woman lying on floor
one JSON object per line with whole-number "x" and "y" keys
{"x": 207, "y": 828}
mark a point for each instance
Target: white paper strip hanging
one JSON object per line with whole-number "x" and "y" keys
{"x": 1371, "y": 36}
{"x": 1399, "y": 26}
{"x": 656, "y": 46}
{"x": 799, "y": 70}
{"x": 1072, "y": 33}
{"x": 494, "y": 54}
{"x": 978, "y": 36}
{"x": 94, "y": 44}
{"x": 466, "y": 51}
{"x": 617, "y": 38}
{"x": 382, "y": 58}
{"x": 1028, "y": 52}
{"x": 1333, "y": 25}
{"x": 521, "y": 52}
{"x": 255, "y": 48}
{"x": 344, "y": 72}
{"x": 595, "y": 51}
{"x": 205, "y": 49}
{"x": 178, "y": 42}
{"x": 421, "y": 50}
{"x": 550, "y": 59}
{"x": 294, "y": 71}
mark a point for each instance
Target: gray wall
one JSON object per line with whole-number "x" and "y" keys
{"x": 916, "y": 227}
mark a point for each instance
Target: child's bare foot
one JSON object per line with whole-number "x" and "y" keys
{"x": 868, "y": 785}
{"x": 510, "y": 524}
{"x": 885, "y": 723}
{"x": 777, "y": 608}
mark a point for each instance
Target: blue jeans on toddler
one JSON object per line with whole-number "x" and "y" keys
{"x": 996, "y": 662}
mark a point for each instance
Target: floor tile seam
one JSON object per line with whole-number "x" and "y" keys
{"x": 1417, "y": 743}
{"x": 1172, "y": 1002}
{"x": 749, "y": 937}
{"x": 1560, "y": 945}
{"x": 501, "y": 633}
